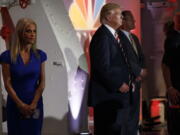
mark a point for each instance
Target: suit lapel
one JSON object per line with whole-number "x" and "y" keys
{"x": 110, "y": 35}
{"x": 137, "y": 44}
{"x": 124, "y": 40}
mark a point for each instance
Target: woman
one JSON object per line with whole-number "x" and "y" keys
{"x": 23, "y": 68}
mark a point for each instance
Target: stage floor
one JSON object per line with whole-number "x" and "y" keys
{"x": 162, "y": 131}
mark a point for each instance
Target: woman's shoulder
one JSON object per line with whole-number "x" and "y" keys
{"x": 7, "y": 52}
{"x": 42, "y": 54}
{"x": 5, "y": 56}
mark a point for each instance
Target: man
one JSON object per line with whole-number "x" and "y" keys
{"x": 171, "y": 73}
{"x": 177, "y": 21}
{"x": 137, "y": 69}
{"x": 109, "y": 89}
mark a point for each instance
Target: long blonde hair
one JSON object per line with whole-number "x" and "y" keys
{"x": 18, "y": 38}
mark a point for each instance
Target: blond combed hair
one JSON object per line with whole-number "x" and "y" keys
{"x": 17, "y": 40}
{"x": 106, "y": 10}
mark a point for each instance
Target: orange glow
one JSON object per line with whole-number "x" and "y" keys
{"x": 84, "y": 14}
{"x": 155, "y": 109}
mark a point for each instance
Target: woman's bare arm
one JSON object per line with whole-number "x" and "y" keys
{"x": 8, "y": 86}
{"x": 40, "y": 88}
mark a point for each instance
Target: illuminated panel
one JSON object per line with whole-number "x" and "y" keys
{"x": 84, "y": 13}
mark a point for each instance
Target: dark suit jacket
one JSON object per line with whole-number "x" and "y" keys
{"x": 108, "y": 69}
{"x": 137, "y": 62}
{"x": 172, "y": 55}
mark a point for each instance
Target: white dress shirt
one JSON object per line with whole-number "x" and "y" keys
{"x": 112, "y": 30}
{"x": 127, "y": 34}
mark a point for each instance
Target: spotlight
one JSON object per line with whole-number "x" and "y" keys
{"x": 85, "y": 133}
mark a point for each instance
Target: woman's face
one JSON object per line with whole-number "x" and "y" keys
{"x": 30, "y": 34}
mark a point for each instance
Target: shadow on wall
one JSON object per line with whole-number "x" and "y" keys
{"x": 53, "y": 126}
{"x": 71, "y": 59}
{"x": 153, "y": 45}
{"x": 80, "y": 123}
{"x": 147, "y": 45}
{"x": 78, "y": 91}
{"x": 74, "y": 62}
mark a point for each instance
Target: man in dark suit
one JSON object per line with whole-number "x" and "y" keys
{"x": 109, "y": 82}
{"x": 137, "y": 69}
{"x": 171, "y": 72}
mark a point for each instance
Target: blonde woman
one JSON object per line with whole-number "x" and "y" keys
{"x": 23, "y": 67}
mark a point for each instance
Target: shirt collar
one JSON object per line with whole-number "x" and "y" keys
{"x": 126, "y": 33}
{"x": 113, "y": 31}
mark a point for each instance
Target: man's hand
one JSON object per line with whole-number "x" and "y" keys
{"x": 143, "y": 73}
{"x": 173, "y": 95}
{"x": 124, "y": 88}
{"x": 139, "y": 78}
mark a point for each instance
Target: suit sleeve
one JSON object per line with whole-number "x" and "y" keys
{"x": 112, "y": 77}
{"x": 142, "y": 57}
{"x": 167, "y": 53}
{"x": 137, "y": 68}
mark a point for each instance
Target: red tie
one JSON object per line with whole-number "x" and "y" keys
{"x": 117, "y": 37}
{"x": 124, "y": 53}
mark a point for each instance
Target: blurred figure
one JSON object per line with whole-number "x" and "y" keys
{"x": 177, "y": 21}
{"x": 137, "y": 68}
{"x": 171, "y": 72}
{"x": 23, "y": 68}
{"x": 109, "y": 82}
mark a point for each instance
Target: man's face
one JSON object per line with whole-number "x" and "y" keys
{"x": 129, "y": 21}
{"x": 115, "y": 18}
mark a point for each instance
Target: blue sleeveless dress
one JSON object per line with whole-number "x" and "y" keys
{"x": 24, "y": 80}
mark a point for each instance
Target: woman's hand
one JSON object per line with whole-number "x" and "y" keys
{"x": 33, "y": 106}
{"x": 25, "y": 109}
